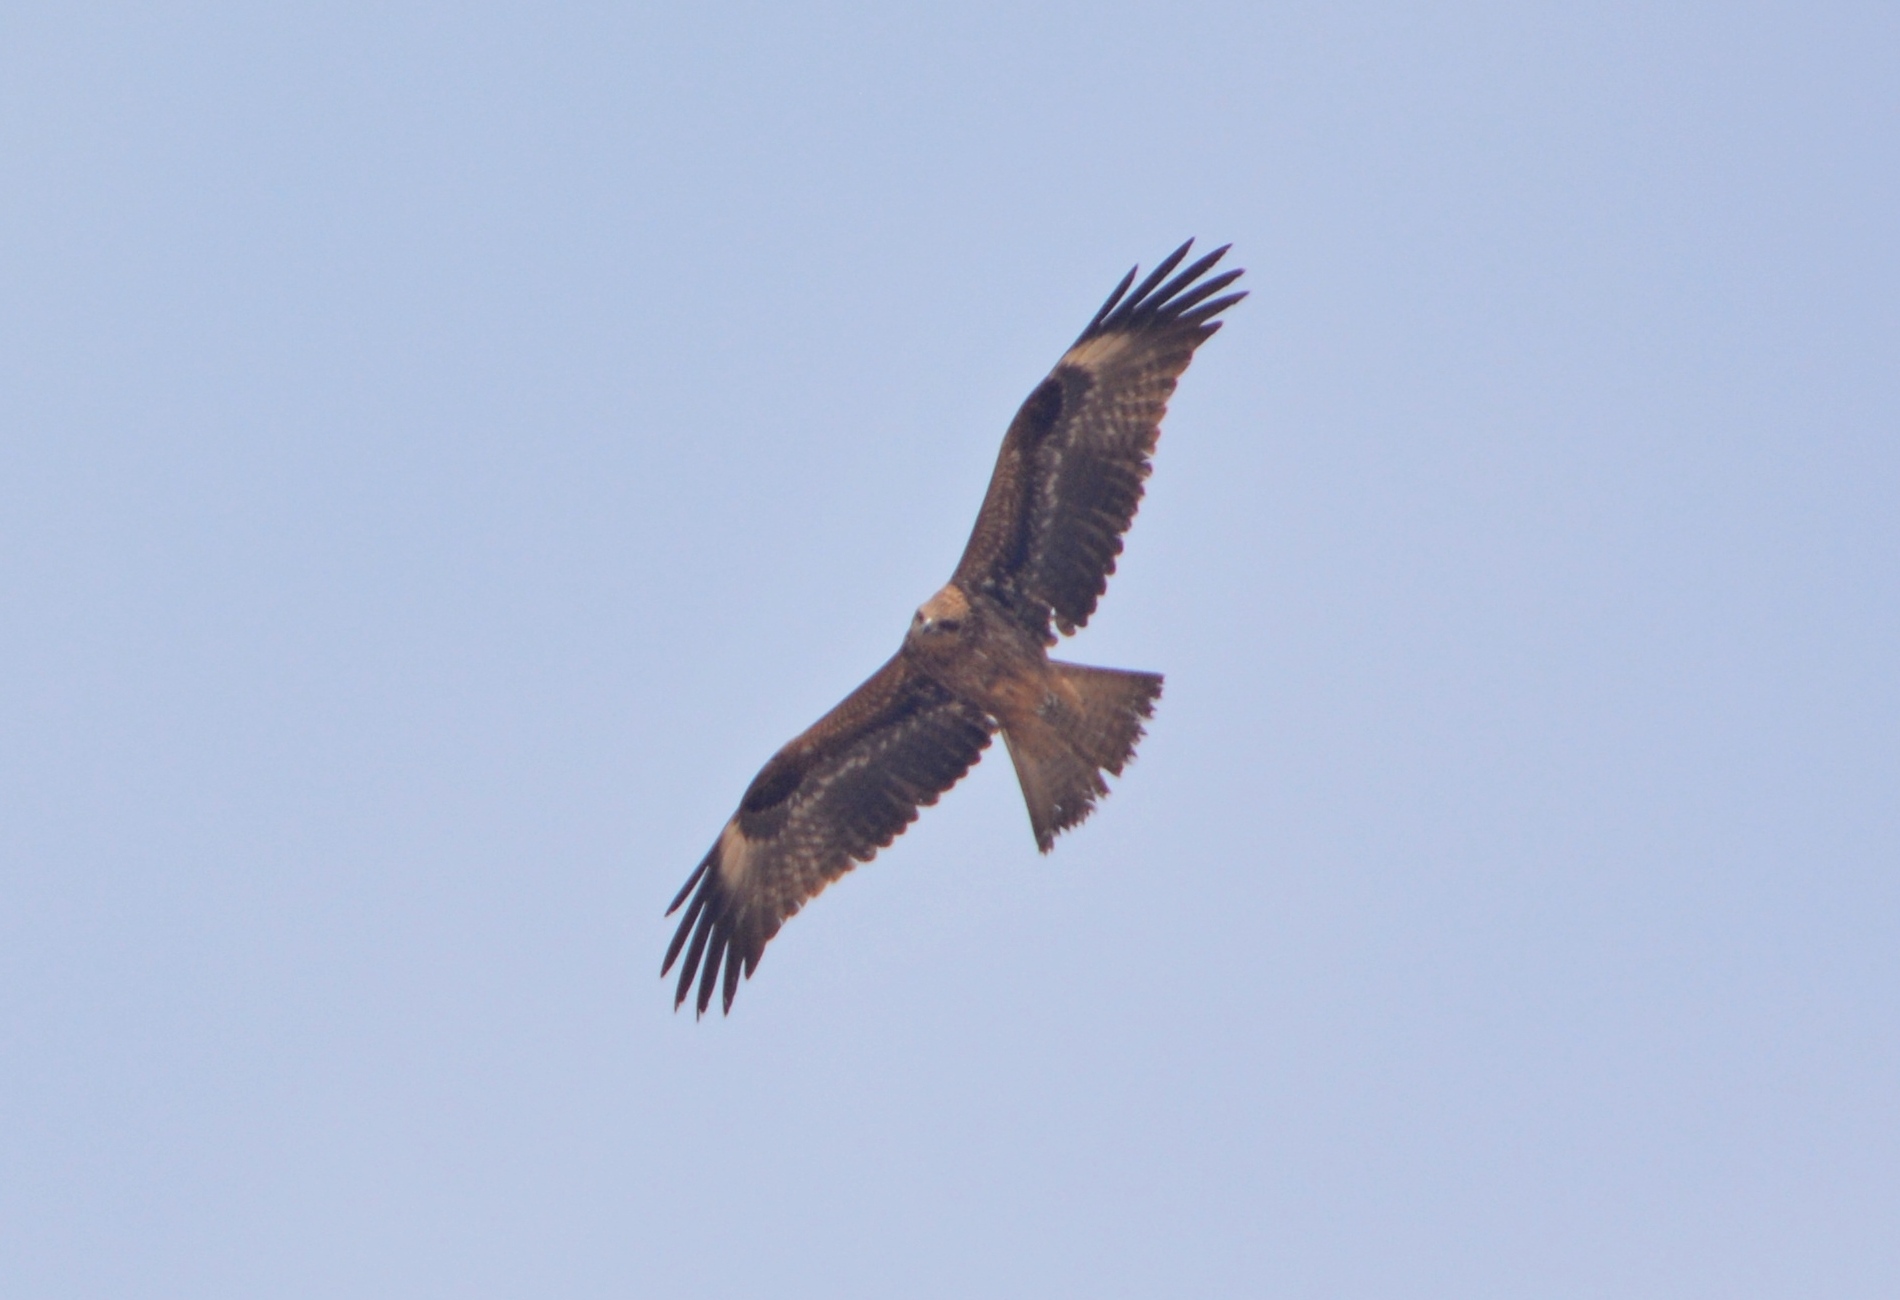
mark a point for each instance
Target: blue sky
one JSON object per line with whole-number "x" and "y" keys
{"x": 444, "y": 450}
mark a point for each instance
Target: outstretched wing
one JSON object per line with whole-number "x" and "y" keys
{"x": 827, "y": 801}
{"x": 1069, "y": 477}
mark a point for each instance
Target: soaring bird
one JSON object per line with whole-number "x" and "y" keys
{"x": 976, "y": 658}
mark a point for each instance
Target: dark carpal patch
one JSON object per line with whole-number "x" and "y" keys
{"x": 1042, "y": 410}
{"x": 773, "y": 786}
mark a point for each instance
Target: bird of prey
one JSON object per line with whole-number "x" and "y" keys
{"x": 975, "y": 660}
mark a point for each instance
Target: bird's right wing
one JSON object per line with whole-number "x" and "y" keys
{"x": 827, "y": 801}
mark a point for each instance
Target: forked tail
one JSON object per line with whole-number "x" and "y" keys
{"x": 1087, "y": 724}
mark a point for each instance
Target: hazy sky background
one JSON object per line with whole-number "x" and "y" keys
{"x": 445, "y": 449}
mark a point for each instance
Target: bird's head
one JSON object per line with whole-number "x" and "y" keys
{"x": 942, "y": 620}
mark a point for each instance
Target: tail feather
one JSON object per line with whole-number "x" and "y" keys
{"x": 1088, "y": 723}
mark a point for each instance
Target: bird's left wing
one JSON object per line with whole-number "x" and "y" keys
{"x": 827, "y": 801}
{"x": 1069, "y": 477}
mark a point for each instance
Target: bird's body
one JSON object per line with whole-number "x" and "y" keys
{"x": 967, "y": 646}
{"x": 975, "y": 660}
{"x": 1063, "y": 723}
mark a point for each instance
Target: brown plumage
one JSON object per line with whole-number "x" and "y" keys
{"x": 1066, "y": 486}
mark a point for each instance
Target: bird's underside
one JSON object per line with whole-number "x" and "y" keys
{"x": 975, "y": 660}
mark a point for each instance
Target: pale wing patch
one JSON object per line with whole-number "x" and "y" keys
{"x": 735, "y": 855}
{"x": 1097, "y": 353}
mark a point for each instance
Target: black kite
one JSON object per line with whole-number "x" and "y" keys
{"x": 976, "y": 658}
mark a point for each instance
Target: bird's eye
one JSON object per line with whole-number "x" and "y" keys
{"x": 949, "y": 624}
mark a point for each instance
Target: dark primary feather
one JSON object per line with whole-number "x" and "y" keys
{"x": 1069, "y": 477}
{"x": 831, "y": 798}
